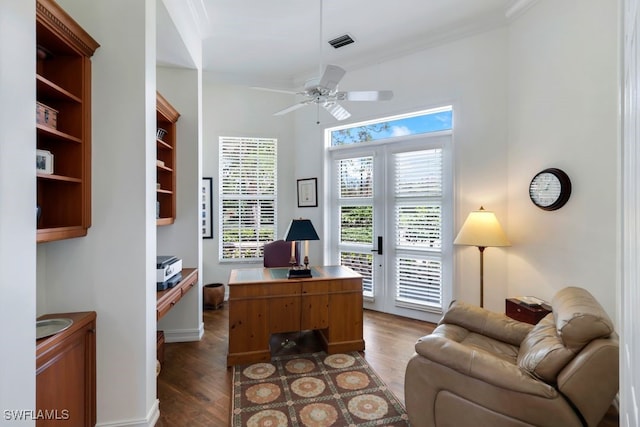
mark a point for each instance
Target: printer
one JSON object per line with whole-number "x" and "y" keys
{"x": 168, "y": 272}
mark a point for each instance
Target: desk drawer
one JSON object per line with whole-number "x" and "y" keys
{"x": 265, "y": 290}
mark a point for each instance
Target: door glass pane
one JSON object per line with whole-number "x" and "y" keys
{"x": 418, "y": 228}
{"x": 360, "y": 263}
{"x": 356, "y": 224}
{"x": 418, "y": 281}
{"x": 356, "y": 177}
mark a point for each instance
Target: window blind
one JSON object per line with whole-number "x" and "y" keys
{"x": 247, "y": 196}
{"x": 418, "y": 186}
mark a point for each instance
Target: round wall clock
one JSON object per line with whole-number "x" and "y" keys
{"x": 550, "y": 189}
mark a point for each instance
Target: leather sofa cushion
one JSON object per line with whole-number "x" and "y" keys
{"x": 484, "y": 322}
{"x": 579, "y": 318}
{"x": 542, "y": 353}
{"x": 472, "y": 340}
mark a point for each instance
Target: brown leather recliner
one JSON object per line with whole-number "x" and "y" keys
{"x": 480, "y": 368}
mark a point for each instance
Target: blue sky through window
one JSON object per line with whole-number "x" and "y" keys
{"x": 422, "y": 122}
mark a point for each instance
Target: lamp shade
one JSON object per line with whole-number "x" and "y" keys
{"x": 301, "y": 229}
{"x": 482, "y": 229}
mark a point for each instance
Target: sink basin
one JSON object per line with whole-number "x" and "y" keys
{"x": 48, "y": 327}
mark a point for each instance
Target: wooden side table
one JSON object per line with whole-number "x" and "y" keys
{"x": 517, "y": 310}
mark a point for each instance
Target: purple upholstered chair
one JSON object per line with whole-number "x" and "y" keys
{"x": 278, "y": 254}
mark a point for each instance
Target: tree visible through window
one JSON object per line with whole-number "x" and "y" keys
{"x": 247, "y": 197}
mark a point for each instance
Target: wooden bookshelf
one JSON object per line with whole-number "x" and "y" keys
{"x": 63, "y": 83}
{"x": 167, "y": 116}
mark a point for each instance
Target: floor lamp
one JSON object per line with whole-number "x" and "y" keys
{"x": 481, "y": 229}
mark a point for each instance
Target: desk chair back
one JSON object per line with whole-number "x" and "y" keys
{"x": 278, "y": 254}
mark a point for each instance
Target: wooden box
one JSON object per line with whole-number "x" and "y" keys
{"x": 46, "y": 115}
{"x": 517, "y": 310}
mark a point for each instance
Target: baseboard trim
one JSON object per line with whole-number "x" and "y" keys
{"x": 184, "y": 335}
{"x": 149, "y": 421}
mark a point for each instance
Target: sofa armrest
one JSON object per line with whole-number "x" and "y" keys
{"x": 485, "y": 322}
{"x": 481, "y": 365}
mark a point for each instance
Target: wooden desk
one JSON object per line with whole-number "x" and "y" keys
{"x": 262, "y": 301}
{"x": 165, "y": 300}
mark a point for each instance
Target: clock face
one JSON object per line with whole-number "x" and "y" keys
{"x": 550, "y": 189}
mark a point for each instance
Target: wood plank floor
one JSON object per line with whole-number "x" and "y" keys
{"x": 194, "y": 385}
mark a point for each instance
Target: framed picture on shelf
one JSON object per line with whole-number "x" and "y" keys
{"x": 308, "y": 193}
{"x": 206, "y": 205}
{"x": 44, "y": 162}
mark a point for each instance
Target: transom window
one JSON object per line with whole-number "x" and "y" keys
{"x": 434, "y": 120}
{"x": 247, "y": 196}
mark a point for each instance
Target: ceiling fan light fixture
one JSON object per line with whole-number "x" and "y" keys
{"x": 336, "y": 110}
{"x": 341, "y": 41}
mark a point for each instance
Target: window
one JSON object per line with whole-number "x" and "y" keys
{"x": 248, "y": 190}
{"x": 420, "y": 122}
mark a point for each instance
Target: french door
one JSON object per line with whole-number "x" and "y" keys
{"x": 390, "y": 220}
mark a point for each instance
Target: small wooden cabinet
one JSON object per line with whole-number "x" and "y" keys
{"x": 66, "y": 373}
{"x": 63, "y": 87}
{"x": 167, "y": 116}
{"x": 525, "y": 313}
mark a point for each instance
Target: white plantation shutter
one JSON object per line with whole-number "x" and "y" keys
{"x": 247, "y": 196}
{"x": 355, "y": 203}
{"x": 418, "y": 187}
{"x": 356, "y": 178}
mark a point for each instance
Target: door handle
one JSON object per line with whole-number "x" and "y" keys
{"x": 379, "y": 249}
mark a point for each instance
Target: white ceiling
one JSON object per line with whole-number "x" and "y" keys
{"x": 277, "y": 42}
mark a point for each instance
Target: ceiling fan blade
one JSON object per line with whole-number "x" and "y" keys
{"x": 337, "y": 111}
{"x": 269, "y": 89}
{"x": 365, "y": 95}
{"x": 331, "y": 77}
{"x": 291, "y": 108}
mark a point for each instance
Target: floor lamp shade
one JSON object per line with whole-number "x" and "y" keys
{"x": 481, "y": 229}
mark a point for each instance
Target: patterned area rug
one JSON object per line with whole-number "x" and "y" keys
{"x": 313, "y": 390}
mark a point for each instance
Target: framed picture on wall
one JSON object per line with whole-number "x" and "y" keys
{"x": 206, "y": 205}
{"x": 307, "y": 193}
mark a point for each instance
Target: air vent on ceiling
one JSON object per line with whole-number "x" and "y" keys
{"x": 341, "y": 41}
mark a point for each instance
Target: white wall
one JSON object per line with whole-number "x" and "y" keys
{"x": 183, "y": 88}
{"x": 17, "y": 204}
{"x": 239, "y": 111}
{"x": 471, "y": 75}
{"x": 112, "y": 269}
{"x": 563, "y": 112}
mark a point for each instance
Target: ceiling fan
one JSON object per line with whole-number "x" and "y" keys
{"x": 323, "y": 91}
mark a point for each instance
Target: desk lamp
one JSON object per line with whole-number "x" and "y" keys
{"x": 481, "y": 229}
{"x": 300, "y": 230}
